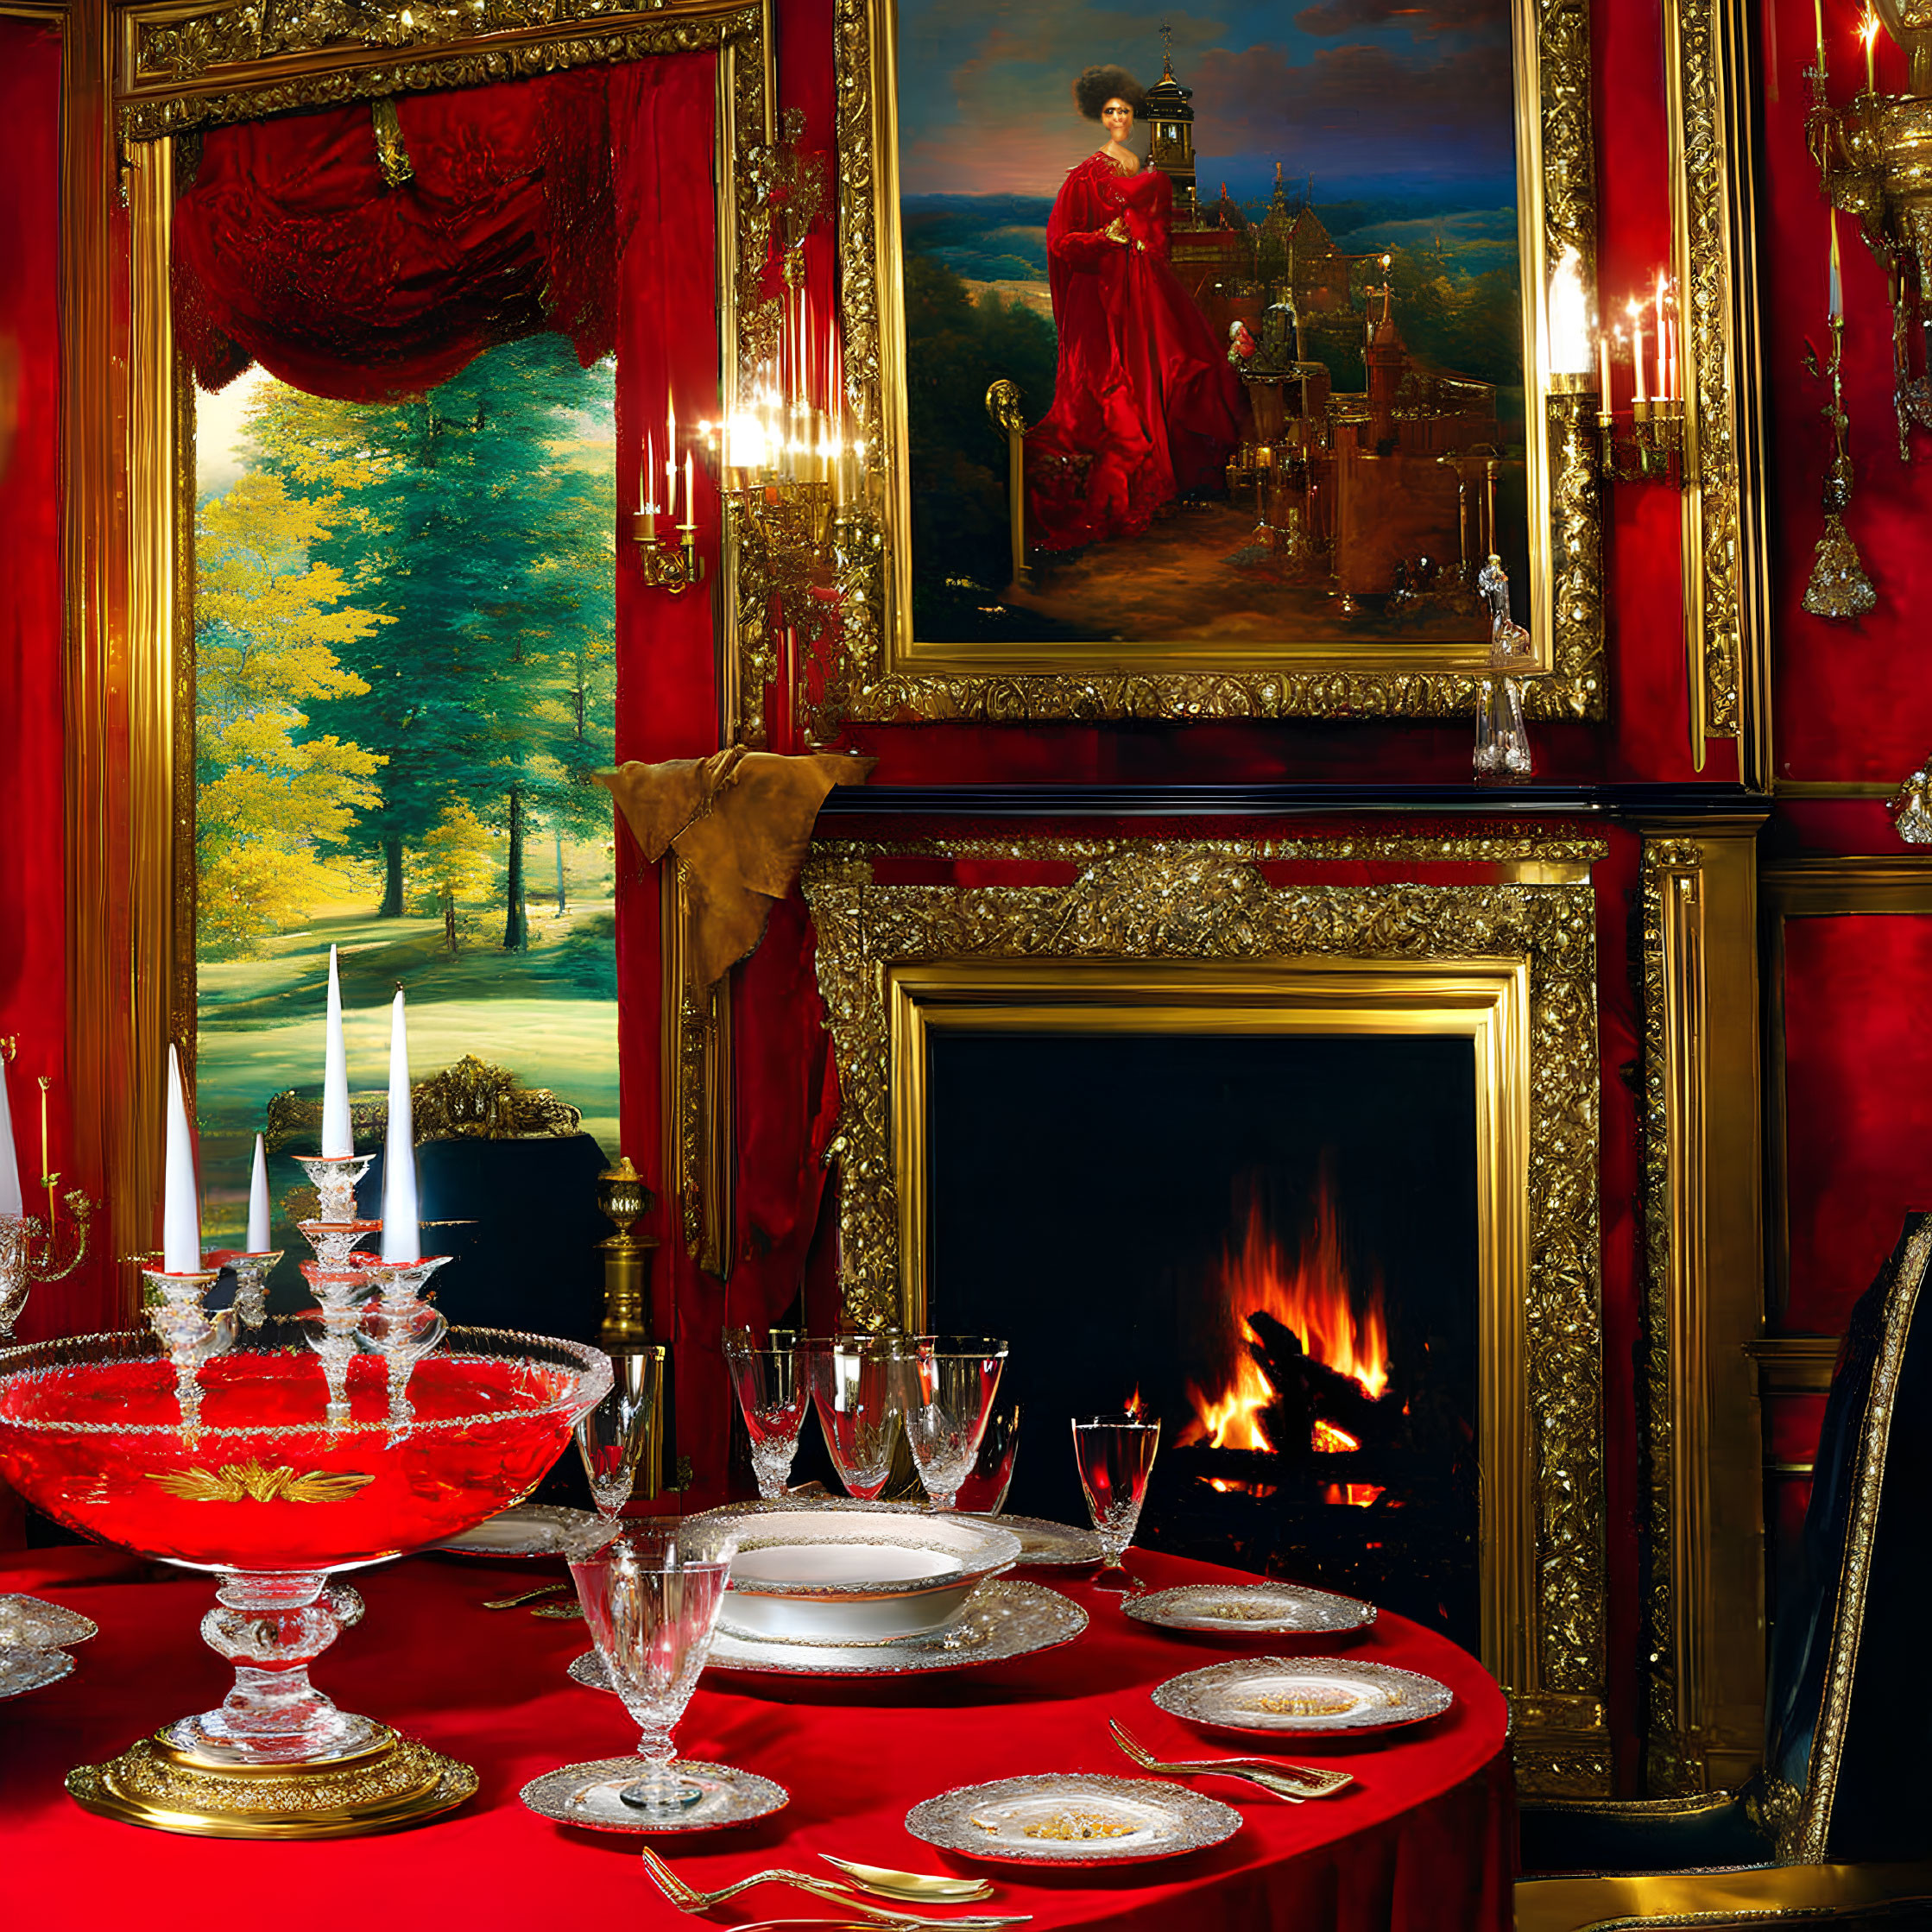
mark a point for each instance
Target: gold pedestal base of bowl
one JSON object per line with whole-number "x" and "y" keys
{"x": 391, "y": 1782}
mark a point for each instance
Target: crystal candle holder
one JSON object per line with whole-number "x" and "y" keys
{"x": 175, "y": 1305}
{"x": 251, "y": 1272}
{"x": 402, "y": 1326}
{"x": 277, "y": 1492}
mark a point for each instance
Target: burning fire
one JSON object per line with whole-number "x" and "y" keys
{"x": 1309, "y": 1295}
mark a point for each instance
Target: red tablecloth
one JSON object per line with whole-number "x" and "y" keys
{"x": 1423, "y": 1843}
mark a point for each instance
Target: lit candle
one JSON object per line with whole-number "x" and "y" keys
{"x": 1663, "y": 371}
{"x": 1818, "y": 15}
{"x": 691, "y": 514}
{"x": 1837, "y": 307}
{"x": 339, "y": 1140}
{"x": 402, "y": 1230}
{"x": 648, "y": 511}
{"x": 671, "y": 458}
{"x": 258, "y": 1202}
{"x": 1870, "y": 32}
{"x": 181, "y": 1212}
{"x": 1603, "y": 367}
{"x": 11, "y": 1201}
{"x": 1637, "y": 344}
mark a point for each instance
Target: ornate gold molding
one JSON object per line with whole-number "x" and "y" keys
{"x": 178, "y": 68}
{"x": 883, "y": 673}
{"x": 1727, "y": 623}
{"x": 1203, "y": 904}
{"x": 1702, "y": 1586}
{"x": 700, "y": 1121}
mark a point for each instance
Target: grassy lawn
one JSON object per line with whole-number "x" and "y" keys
{"x": 549, "y": 1014}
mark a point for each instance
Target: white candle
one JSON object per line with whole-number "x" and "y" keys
{"x": 1637, "y": 344}
{"x": 1603, "y": 368}
{"x": 1663, "y": 368}
{"x": 1835, "y": 310}
{"x": 402, "y": 1235}
{"x": 670, "y": 456}
{"x": 258, "y": 1202}
{"x": 690, "y": 514}
{"x": 11, "y": 1201}
{"x": 339, "y": 1141}
{"x": 181, "y": 1210}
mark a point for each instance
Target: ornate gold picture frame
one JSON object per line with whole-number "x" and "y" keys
{"x": 1157, "y": 935}
{"x": 878, "y": 667}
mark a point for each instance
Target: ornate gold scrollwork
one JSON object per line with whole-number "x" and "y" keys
{"x": 252, "y": 1481}
{"x": 1206, "y": 901}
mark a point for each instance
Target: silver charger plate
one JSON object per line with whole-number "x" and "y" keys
{"x": 22, "y": 1670}
{"x": 1307, "y": 1695}
{"x": 1072, "y": 1818}
{"x": 32, "y": 1623}
{"x": 1002, "y": 1620}
{"x": 1042, "y": 1543}
{"x": 527, "y": 1530}
{"x": 1251, "y": 1610}
{"x": 586, "y": 1794}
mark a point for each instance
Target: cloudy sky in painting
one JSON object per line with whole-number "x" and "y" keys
{"x": 1351, "y": 92}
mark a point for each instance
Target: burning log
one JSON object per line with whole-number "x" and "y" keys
{"x": 1308, "y": 1392}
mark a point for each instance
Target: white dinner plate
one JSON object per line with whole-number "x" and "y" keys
{"x": 1076, "y": 1818}
{"x": 1303, "y": 1696}
{"x": 1251, "y": 1609}
{"x": 1042, "y": 1543}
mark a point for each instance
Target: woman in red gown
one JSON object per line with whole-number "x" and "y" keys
{"x": 1143, "y": 402}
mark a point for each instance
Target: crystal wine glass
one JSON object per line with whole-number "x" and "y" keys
{"x": 984, "y": 1490}
{"x": 852, "y": 1389}
{"x": 773, "y": 1389}
{"x": 1116, "y": 1454}
{"x": 651, "y": 1597}
{"x": 945, "y": 1386}
{"x": 613, "y": 1436}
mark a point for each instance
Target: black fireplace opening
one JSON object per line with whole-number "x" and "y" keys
{"x": 1269, "y": 1241}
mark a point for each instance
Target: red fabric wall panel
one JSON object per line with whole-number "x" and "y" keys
{"x": 1858, "y": 1072}
{"x": 33, "y": 887}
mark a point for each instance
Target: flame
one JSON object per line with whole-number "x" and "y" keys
{"x": 1135, "y": 1406}
{"x": 1309, "y": 1294}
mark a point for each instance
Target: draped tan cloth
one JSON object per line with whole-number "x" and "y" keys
{"x": 739, "y": 822}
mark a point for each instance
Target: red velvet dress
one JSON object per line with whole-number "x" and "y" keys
{"x": 1143, "y": 402}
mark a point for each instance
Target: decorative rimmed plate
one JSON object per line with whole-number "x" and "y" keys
{"x": 1042, "y": 1543}
{"x": 1004, "y": 1620}
{"x": 528, "y": 1530}
{"x": 1303, "y": 1694}
{"x": 586, "y": 1794}
{"x": 22, "y": 1670}
{"x": 841, "y": 1574}
{"x": 1072, "y": 1818}
{"x": 31, "y": 1623}
{"x": 1251, "y": 1610}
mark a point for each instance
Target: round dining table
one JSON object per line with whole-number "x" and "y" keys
{"x": 1423, "y": 1838}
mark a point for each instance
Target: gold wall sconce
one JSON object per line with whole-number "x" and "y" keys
{"x": 1645, "y": 443}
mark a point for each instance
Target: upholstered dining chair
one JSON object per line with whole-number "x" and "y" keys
{"x": 1837, "y": 1827}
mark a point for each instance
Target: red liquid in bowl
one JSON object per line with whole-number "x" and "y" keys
{"x": 484, "y": 1434}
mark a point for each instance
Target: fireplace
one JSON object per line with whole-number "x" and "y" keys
{"x": 982, "y": 1027}
{"x": 1272, "y": 1239}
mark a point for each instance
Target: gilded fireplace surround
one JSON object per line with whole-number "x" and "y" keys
{"x": 1155, "y": 934}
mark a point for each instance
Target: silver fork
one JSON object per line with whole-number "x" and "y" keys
{"x": 1292, "y": 1782}
{"x": 688, "y": 1898}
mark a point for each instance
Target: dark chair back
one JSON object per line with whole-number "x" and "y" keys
{"x": 1847, "y": 1771}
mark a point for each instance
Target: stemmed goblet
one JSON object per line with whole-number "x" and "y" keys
{"x": 1116, "y": 1454}
{"x": 651, "y": 1596}
{"x": 945, "y": 1386}
{"x": 613, "y": 1436}
{"x": 852, "y": 1389}
{"x": 773, "y": 1389}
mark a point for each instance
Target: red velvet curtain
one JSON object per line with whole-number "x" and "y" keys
{"x": 292, "y": 248}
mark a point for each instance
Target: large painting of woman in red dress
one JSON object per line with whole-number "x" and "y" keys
{"x": 1145, "y": 407}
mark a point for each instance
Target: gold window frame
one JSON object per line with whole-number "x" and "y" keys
{"x": 880, "y": 671}
{"x": 1191, "y": 931}
{"x": 138, "y": 76}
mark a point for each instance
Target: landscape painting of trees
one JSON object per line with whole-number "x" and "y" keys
{"x": 404, "y": 678}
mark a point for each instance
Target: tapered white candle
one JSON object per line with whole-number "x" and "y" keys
{"x": 10, "y": 1201}
{"x": 180, "y": 1210}
{"x": 339, "y": 1139}
{"x": 258, "y": 1202}
{"x": 690, "y": 514}
{"x": 1836, "y": 307}
{"x": 402, "y": 1235}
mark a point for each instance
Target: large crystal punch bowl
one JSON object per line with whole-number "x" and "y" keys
{"x": 91, "y": 1432}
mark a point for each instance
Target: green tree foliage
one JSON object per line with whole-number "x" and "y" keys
{"x": 955, "y": 349}
{"x": 269, "y": 623}
{"x": 480, "y": 526}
